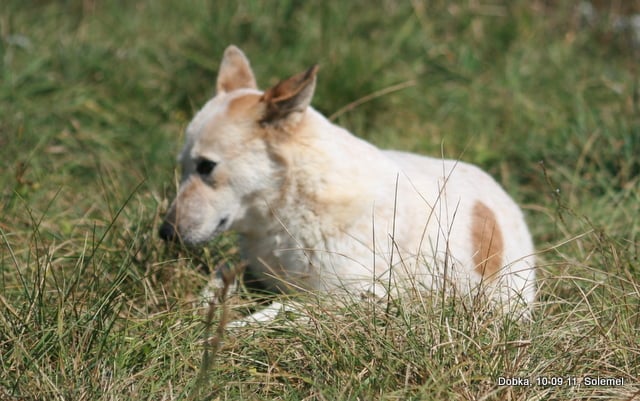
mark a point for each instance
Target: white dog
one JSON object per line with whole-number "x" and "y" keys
{"x": 317, "y": 208}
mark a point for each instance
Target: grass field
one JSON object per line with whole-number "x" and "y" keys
{"x": 94, "y": 98}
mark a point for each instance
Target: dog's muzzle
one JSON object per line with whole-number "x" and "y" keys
{"x": 167, "y": 232}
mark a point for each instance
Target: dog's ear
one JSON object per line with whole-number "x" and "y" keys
{"x": 290, "y": 96}
{"x": 235, "y": 71}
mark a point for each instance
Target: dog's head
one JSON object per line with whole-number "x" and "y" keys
{"x": 228, "y": 162}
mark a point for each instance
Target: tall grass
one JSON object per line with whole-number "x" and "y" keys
{"x": 94, "y": 97}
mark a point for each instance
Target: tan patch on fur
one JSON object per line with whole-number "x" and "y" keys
{"x": 242, "y": 104}
{"x": 486, "y": 238}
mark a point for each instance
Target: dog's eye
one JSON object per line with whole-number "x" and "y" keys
{"x": 205, "y": 166}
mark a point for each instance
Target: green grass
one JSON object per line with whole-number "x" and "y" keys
{"x": 94, "y": 97}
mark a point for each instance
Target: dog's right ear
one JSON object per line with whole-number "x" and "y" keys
{"x": 289, "y": 98}
{"x": 235, "y": 72}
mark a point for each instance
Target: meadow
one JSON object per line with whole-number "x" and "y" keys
{"x": 94, "y": 99}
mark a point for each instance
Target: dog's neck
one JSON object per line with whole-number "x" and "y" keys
{"x": 320, "y": 177}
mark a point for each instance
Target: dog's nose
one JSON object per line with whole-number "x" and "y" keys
{"x": 167, "y": 231}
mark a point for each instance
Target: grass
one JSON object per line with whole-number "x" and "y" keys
{"x": 94, "y": 97}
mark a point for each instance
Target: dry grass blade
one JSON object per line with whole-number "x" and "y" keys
{"x": 379, "y": 93}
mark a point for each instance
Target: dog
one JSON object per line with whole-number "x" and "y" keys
{"x": 318, "y": 209}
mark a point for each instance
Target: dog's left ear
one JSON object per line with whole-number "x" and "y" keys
{"x": 290, "y": 97}
{"x": 235, "y": 71}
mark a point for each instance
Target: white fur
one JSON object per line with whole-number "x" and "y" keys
{"x": 320, "y": 209}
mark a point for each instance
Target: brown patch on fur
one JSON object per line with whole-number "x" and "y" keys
{"x": 487, "y": 241}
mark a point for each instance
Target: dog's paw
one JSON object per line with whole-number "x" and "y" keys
{"x": 213, "y": 291}
{"x": 276, "y": 312}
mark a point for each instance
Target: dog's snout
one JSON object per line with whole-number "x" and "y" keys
{"x": 167, "y": 232}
